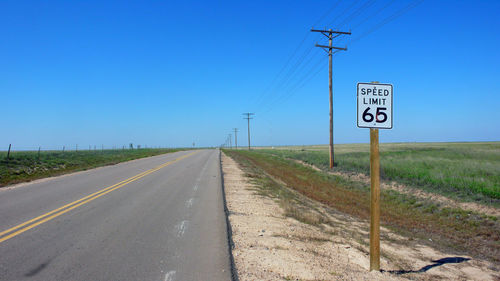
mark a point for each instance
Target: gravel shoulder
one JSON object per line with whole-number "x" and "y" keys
{"x": 271, "y": 245}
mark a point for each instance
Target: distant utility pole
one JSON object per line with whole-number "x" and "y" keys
{"x": 236, "y": 137}
{"x": 230, "y": 141}
{"x": 330, "y": 34}
{"x": 248, "y": 114}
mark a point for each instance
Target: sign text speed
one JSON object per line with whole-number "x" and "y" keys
{"x": 374, "y": 105}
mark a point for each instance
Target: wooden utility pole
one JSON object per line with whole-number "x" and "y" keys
{"x": 230, "y": 141}
{"x": 248, "y": 114}
{"x": 236, "y": 137}
{"x": 375, "y": 201}
{"x": 330, "y": 35}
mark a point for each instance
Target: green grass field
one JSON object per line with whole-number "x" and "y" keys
{"x": 467, "y": 171}
{"x": 26, "y": 165}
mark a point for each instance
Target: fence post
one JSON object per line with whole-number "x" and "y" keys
{"x": 8, "y": 152}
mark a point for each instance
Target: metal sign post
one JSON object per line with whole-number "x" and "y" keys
{"x": 374, "y": 112}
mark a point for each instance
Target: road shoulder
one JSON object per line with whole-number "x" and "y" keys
{"x": 269, "y": 244}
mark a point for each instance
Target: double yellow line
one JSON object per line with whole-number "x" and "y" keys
{"x": 25, "y": 226}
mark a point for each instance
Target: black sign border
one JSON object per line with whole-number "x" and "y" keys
{"x": 357, "y": 104}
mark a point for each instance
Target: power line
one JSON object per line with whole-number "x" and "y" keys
{"x": 282, "y": 69}
{"x": 343, "y": 12}
{"x": 290, "y": 73}
{"x": 327, "y": 13}
{"x": 353, "y": 15}
{"x": 314, "y": 70}
{"x": 261, "y": 98}
{"x": 370, "y": 16}
{"x": 289, "y": 88}
{"x": 356, "y": 13}
{"x": 292, "y": 90}
{"x": 299, "y": 66}
{"x": 373, "y": 15}
{"x": 295, "y": 67}
{"x": 389, "y": 19}
{"x": 286, "y": 83}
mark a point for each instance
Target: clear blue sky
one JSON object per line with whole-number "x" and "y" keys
{"x": 171, "y": 73}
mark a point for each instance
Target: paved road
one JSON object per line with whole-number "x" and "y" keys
{"x": 166, "y": 223}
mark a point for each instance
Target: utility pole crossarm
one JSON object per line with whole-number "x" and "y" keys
{"x": 331, "y": 31}
{"x": 332, "y": 47}
{"x": 328, "y": 33}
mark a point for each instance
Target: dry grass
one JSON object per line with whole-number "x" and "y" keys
{"x": 302, "y": 214}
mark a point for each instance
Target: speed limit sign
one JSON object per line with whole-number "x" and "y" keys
{"x": 375, "y": 105}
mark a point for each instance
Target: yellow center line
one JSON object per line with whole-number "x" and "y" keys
{"x": 68, "y": 207}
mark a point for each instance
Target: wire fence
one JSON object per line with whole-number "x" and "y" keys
{"x": 11, "y": 151}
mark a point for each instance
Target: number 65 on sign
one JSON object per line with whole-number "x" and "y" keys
{"x": 374, "y": 105}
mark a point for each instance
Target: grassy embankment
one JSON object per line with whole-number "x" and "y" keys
{"x": 26, "y": 165}
{"x": 453, "y": 229}
{"x": 464, "y": 171}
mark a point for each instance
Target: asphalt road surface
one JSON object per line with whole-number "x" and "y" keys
{"x": 159, "y": 218}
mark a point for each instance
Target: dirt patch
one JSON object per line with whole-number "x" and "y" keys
{"x": 401, "y": 188}
{"x": 269, "y": 245}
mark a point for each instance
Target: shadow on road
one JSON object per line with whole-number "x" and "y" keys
{"x": 37, "y": 269}
{"x": 427, "y": 267}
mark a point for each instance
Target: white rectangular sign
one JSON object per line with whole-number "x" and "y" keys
{"x": 374, "y": 105}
